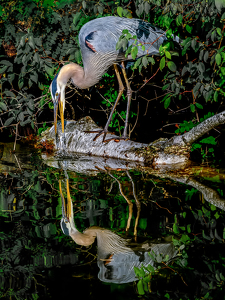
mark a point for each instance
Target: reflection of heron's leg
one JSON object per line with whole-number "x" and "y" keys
{"x": 138, "y": 204}
{"x": 130, "y": 204}
{"x": 121, "y": 89}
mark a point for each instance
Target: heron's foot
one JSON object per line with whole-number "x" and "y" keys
{"x": 100, "y": 132}
{"x": 117, "y": 139}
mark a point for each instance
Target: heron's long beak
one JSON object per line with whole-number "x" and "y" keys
{"x": 62, "y": 106}
{"x": 61, "y": 110}
{"x": 67, "y": 210}
{"x": 55, "y": 116}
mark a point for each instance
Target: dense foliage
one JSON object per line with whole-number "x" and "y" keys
{"x": 38, "y": 37}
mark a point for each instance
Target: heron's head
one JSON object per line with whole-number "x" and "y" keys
{"x": 67, "y": 222}
{"x": 57, "y": 89}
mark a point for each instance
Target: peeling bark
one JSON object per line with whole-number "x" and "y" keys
{"x": 198, "y": 131}
{"x": 78, "y": 139}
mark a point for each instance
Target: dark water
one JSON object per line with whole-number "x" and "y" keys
{"x": 167, "y": 209}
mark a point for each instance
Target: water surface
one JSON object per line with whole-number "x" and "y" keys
{"x": 181, "y": 208}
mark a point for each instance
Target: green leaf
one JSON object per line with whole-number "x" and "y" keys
{"x": 134, "y": 52}
{"x": 176, "y": 228}
{"x": 209, "y": 140}
{"x": 40, "y": 85}
{"x": 3, "y": 106}
{"x": 138, "y": 272}
{"x": 100, "y": 9}
{"x": 196, "y": 88}
{"x": 162, "y": 63}
{"x": 127, "y": 14}
{"x": 21, "y": 116}
{"x": 6, "y": 63}
{"x": 205, "y": 236}
{"x": 219, "y": 31}
{"x": 145, "y": 61}
{"x": 84, "y": 4}
{"x": 168, "y": 55}
{"x": 3, "y": 69}
{"x": 217, "y": 215}
{"x": 151, "y": 60}
{"x": 165, "y": 86}
{"x": 150, "y": 268}
{"x": 120, "y": 11}
{"x": 30, "y": 104}
{"x": 143, "y": 223}
{"x": 169, "y": 33}
{"x": 220, "y": 4}
{"x": 179, "y": 20}
{"x": 171, "y": 65}
{"x": 215, "y": 96}
{"x": 188, "y": 28}
{"x": 218, "y": 58}
{"x": 147, "y": 7}
{"x": 137, "y": 62}
{"x": 198, "y": 105}
{"x": 36, "y": 57}
{"x": 192, "y": 106}
{"x": 222, "y": 70}
{"x": 76, "y": 18}
{"x": 140, "y": 287}
{"x": 167, "y": 102}
{"x": 9, "y": 121}
{"x": 201, "y": 67}
{"x": 20, "y": 83}
{"x": 189, "y": 228}
{"x": 31, "y": 42}
{"x": 50, "y": 71}
{"x": 206, "y": 56}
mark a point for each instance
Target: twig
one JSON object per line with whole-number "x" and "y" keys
{"x": 175, "y": 272}
{"x": 147, "y": 81}
{"x": 161, "y": 206}
{"x": 14, "y": 148}
{"x": 135, "y": 121}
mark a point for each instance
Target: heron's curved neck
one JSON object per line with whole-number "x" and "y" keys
{"x": 84, "y": 78}
{"x": 85, "y": 239}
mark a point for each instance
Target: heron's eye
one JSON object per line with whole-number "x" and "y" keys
{"x": 57, "y": 94}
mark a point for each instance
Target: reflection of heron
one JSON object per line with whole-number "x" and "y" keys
{"x": 130, "y": 204}
{"x": 98, "y": 39}
{"x": 116, "y": 256}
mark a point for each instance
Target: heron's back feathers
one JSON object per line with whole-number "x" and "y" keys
{"x": 98, "y": 39}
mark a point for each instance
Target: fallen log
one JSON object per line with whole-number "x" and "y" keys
{"x": 78, "y": 139}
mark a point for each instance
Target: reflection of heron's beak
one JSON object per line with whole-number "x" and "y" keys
{"x": 55, "y": 115}
{"x": 67, "y": 210}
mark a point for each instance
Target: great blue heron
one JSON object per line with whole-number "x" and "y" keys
{"x": 98, "y": 39}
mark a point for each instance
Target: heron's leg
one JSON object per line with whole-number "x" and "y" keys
{"x": 129, "y": 94}
{"x": 121, "y": 89}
